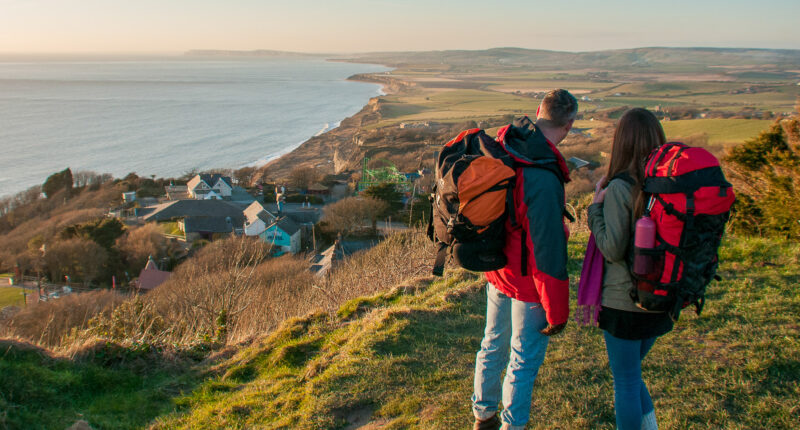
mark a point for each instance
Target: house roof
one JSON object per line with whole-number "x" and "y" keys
{"x": 240, "y": 194}
{"x": 196, "y": 208}
{"x": 209, "y": 179}
{"x": 317, "y": 187}
{"x": 287, "y": 225}
{"x": 256, "y": 211}
{"x": 207, "y": 224}
{"x": 304, "y": 216}
{"x": 150, "y": 277}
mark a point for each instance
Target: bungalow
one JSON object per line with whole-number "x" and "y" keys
{"x": 284, "y": 234}
{"x": 206, "y": 227}
{"x": 201, "y": 218}
{"x": 207, "y": 186}
{"x": 257, "y": 219}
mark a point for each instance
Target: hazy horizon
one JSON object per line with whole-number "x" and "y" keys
{"x": 148, "y": 27}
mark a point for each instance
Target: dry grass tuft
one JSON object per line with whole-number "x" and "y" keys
{"x": 51, "y": 323}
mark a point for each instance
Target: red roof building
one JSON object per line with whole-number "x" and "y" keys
{"x": 150, "y": 277}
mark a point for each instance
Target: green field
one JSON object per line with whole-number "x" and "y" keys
{"x": 717, "y": 130}
{"x": 10, "y": 296}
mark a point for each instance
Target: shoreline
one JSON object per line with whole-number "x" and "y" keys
{"x": 332, "y": 149}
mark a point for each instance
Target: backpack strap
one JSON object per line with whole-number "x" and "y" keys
{"x": 441, "y": 259}
{"x": 524, "y": 256}
{"x": 625, "y": 176}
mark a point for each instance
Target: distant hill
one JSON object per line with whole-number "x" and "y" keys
{"x": 253, "y": 53}
{"x": 638, "y": 58}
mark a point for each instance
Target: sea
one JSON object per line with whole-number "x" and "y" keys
{"x": 165, "y": 116}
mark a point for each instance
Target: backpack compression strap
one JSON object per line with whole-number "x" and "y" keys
{"x": 441, "y": 258}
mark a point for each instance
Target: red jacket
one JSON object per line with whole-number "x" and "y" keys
{"x": 539, "y": 213}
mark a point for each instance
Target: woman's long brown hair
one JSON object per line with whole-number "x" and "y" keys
{"x": 638, "y": 133}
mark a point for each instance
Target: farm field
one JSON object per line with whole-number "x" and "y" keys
{"x": 717, "y": 130}
{"x": 460, "y": 88}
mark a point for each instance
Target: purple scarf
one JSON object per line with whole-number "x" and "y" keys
{"x": 590, "y": 286}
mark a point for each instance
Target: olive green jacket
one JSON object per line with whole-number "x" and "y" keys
{"x": 612, "y": 224}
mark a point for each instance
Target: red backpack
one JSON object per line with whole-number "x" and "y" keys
{"x": 690, "y": 202}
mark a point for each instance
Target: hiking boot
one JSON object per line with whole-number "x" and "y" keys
{"x": 492, "y": 423}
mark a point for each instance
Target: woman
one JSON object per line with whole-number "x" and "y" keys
{"x": 629, "y": 331}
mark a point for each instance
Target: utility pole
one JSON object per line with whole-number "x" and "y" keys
{"x": 411, "y": 208}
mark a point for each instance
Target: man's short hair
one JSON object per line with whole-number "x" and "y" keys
{"x": 559, "y": 107}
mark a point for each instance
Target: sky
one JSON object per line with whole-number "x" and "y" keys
{"x": 348, "y": 26}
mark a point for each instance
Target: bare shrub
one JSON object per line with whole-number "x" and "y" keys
{"x": 48, "y": 323}
{"x": 303, "y": 177}
{"x": 284, "y": 289}
{"x": 208, "y": 292}
{"x": 349, "y": 214}
{"x": 397, "y": 259}
{"x": 140, "y": 243}
{"x": 229, "y": 292}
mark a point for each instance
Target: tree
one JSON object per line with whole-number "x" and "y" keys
{"x": 303, "y": 177}
{"x": 140, "y": 243}
{"x": 765, "y": 172}
{"x": 244, "y": 176}
{"x": 58, "y": 182}
{"x": 80, "y": 258}
{"x": 85, "y": 177}
{"x": 388, "y": 193}
{"x": 349, "y": 214}
{"x": 104, "y": 231}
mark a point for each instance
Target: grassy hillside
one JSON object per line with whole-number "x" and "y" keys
{"x": 403, "y": 360}
{"x": 10, "y": 296}
{"x": 111, "y": 387}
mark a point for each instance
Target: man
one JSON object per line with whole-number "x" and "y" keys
{"x": 528, "y": 299}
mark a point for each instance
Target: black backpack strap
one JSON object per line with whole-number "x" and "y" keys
{"x": 430, "y": 231}
{"x": 441, "y": 259}
{"x": 625, "y": 176}
{"x": 524, "y": 256}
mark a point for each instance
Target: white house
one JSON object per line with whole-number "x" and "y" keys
{"x": 257, "y": 219}
{"x": 206, "y": 186}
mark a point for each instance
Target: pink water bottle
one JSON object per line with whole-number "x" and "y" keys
{"x": 644, "y": 239}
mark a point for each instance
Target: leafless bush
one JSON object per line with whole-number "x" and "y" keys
{"x": 284, "y": 289}
{"x": 396, "y": 259}
{"x": 303, "y": 177}
{"x": 227, "y": 293}
{"x": 349, "y": 214}
{"x": 210, "y": 291}
{"x": 48, "y": 323}
{"x": 140, "y": 243}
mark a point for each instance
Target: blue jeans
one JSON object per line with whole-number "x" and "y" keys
{"x": 631, "y": 398}
{"x": 510, "y": 325}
